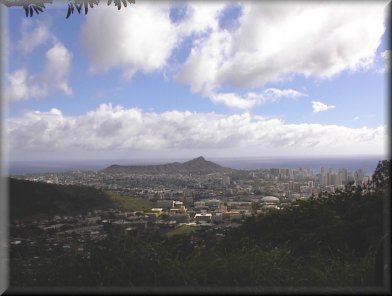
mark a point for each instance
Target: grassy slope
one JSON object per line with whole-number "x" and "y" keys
{"x": 126, "y": 203}
{"x": 184, "y": 229}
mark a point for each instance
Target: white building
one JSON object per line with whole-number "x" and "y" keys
{"x": 207, "y": 217}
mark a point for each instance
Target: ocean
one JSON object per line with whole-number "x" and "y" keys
{"x": 367, "y": 163}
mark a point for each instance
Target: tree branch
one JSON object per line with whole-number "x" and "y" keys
{"x": 10, "y": 3}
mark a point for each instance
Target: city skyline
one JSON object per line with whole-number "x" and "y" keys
{"x": 186, "y": 79}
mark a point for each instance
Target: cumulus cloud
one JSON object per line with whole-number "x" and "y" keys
{"x": 54, "y": 76}
{"x": 271, "y": 42}
{"x": 18, "y": 89}
{"x": 116, "y": 128}
{"x": 319, "y": 106}
{"x": 33, "y": 34}
{"x": 275, "y": 41}
{"x": 206, "y": 59}
{"x": 142, "y": 39}
{"x": 251, "y": 99}
{"x": 200, "y": 16}
{"x": 57, "y": 67}
{"x": 235, "y": 101}
{"x": 129, "y": 39}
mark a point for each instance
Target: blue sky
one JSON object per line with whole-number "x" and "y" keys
{"x": 218, "y": 79}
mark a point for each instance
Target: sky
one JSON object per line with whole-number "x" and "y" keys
{"x": 183, "y": 79}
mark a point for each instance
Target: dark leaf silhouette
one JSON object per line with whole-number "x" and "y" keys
{"x": 39, "y": 6}
{"x": 78, "y": 7}
{"x": 26, "y": 10}
{"x": 69, "y": 11}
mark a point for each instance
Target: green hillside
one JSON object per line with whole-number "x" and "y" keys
{"x": 182, "y": 230}
{"x": 126, "y": 203}
{"x": 36, "y": 199}
{"x": 41, "y": 200}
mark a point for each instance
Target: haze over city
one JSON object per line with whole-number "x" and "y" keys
{"x": 183, "y": 79}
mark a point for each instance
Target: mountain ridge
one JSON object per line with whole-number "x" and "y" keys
{"x": 196, "y": 165}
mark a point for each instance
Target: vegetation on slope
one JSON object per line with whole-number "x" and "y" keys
{"x": 36, "y": 199}
{"x": 126, "y": 203}
{"x": 182, "y": 230}
{"x": 29, "y": 200}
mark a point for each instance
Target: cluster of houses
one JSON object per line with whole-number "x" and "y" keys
{"x": 60, "y": 231}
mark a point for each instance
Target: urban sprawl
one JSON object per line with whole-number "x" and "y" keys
{"x": 205, "y": 202}
{"x": 212, "y": 198}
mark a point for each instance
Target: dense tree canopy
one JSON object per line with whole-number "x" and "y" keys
{"x": 381, "y": 176}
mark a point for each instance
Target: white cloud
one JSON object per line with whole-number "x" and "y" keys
{"x": 251, "y": 99}
{"x": 275, "y": 41}
{"x": 136, "y": 39}
{"x": 319, "y": 106}
{"x": 18, "y": 89}
{"x": 235, "y": 101}
{"x": 32, "y": 38}
{"x": 54, "y": 76}
{"x": 205, "y": 60}
{"x": 116, "y": 129}
{"x": 356, "y": 118}
{"x": 272, "y": 42}
{"x": 200, "y": 16}
{"x": 58, "y": 64}
{"x": 142, "y": 38}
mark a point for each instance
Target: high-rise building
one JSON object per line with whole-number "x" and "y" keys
{"x": 322, "y": 171}
{"x": 333, "y": 179}
{"x": 338, "y": 179}
{"x": 291, "y": 185}
{"x": 325, "y": 183}
{"x": 226, "y": 180}
{"x": 358, "y": 176}
{"x": 343, "y": 175}
{"x": 329, "y": 181}
{"x": 274, "y": 172}
{"x": 320, "y": 179}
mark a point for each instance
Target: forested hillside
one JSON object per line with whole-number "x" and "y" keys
{"x": 39, "y": 200}
{"x": 28, "y": 199}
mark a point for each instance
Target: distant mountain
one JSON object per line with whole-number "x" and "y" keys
{"x": 198, "y": 166}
